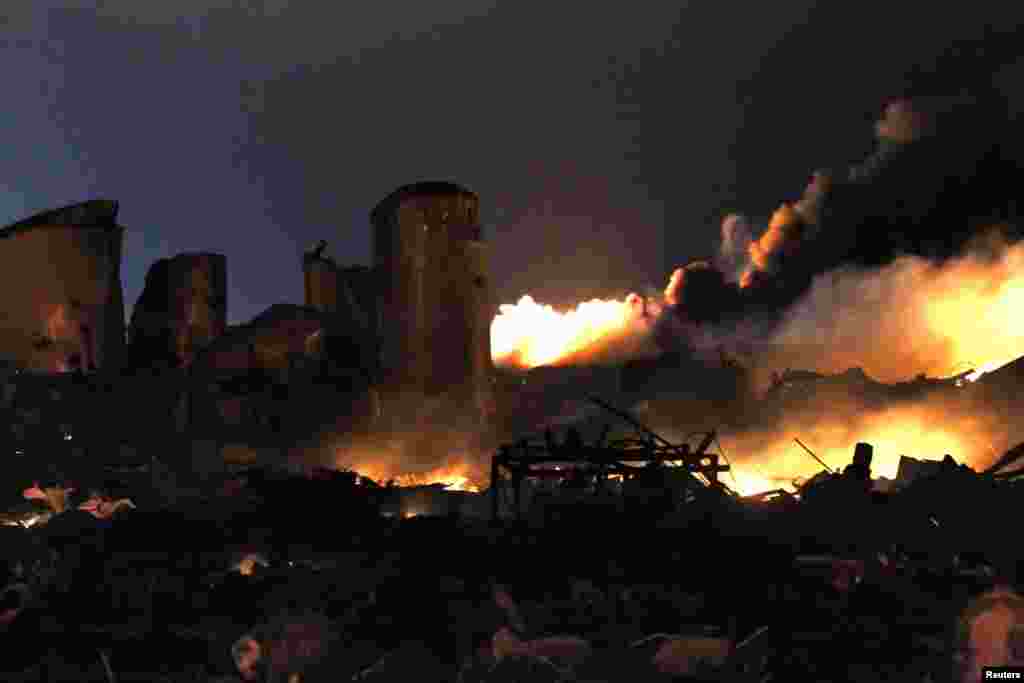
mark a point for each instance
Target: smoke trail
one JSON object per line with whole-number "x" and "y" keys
{"x": 921, "y": 172}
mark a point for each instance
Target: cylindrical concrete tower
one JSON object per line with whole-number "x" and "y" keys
{"x": 431, "y": 269}
{"x": 63, "y": 307}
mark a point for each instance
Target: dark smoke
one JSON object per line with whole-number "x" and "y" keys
{"x": 939, "y": 176}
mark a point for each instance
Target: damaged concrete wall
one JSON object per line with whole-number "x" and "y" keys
{"x": 273, "y": 382}
{"x": 272, "y": 341}
{"x": 182, "y": 308}
{"x": 64, "y": 308}
{"x": 320, "y": 279}
{"x": 349, "y": 295}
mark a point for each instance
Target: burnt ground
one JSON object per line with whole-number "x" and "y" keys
{"x": 151, "y": 595}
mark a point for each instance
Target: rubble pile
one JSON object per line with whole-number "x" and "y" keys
{"x": 838, "y": 581}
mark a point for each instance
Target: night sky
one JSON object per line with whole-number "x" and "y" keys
{"x": 606, "y": 143}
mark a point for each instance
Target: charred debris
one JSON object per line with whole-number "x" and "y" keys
{"x": 575, "y": 468}
{"x": 591, "y": 557}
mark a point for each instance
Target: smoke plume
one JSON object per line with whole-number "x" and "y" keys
{"x": 912, "y": 316}
{"x": 932, "y": 167}
{"x": 887, "y": 207}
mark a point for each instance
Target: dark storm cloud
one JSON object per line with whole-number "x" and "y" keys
{"x": 606, "y": 142}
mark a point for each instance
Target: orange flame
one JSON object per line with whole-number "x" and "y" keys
{"x": 784, "y": 230}
{"x": 456, "y": 477}
{"x": 910, "y": 317}
{"x": 672, "y": 289}
{"x": 747, "y": 482}
{"x": 771, "y": 460}
{"x": 528, "y": 334}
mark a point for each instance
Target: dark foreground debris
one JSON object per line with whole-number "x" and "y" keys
{"x": 836, "y": 582}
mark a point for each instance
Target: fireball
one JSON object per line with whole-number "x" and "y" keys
{"x": 528, "y": 334}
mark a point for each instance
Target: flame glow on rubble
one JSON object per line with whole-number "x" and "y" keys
{"x": 455, "y": 477}
{"x": 771, "y": 460}
{"x": 747, "y": 482}
{"x": 528, "y": 334}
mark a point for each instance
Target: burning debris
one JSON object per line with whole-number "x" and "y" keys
{"x": 411, "y": 460}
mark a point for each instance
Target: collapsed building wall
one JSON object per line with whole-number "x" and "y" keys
{"x": 274, "y": 383}
{"x": 320, "y": 282}
{"x": 182, "y": 308}
{"x": 64, "y": 307}
{"x": 347, "y": 294}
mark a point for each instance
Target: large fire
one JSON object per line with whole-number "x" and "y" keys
{"x": 771, "y": 459}
{"x": 908, "y": 318}
{"x": 911, "y": 317}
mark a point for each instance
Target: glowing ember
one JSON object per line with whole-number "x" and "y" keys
{"x": 246, "y": 566}
{"x": 529, "y": 334}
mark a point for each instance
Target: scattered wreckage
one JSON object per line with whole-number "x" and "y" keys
{"x": 644, "y": 466}
{"x": 584, "y": 469}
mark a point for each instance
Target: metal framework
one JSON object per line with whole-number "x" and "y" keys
{"x": 525, "y": 460}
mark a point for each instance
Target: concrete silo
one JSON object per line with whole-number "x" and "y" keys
{"x": 63, "y": 306}
{"x": 435, "y": 307}
{"x": 182, "y": 308}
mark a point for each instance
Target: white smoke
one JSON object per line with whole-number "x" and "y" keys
{"x": 734, "y": 250}
{"x": 910, "y": 317}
